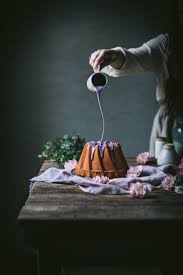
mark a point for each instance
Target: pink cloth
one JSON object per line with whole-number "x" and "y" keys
{"x": 150, "y": 175}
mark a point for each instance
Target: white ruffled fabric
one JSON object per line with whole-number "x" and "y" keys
{"x": 150, "y": 175}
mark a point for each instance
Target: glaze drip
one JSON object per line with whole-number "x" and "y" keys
{"x": 101, "y": 146}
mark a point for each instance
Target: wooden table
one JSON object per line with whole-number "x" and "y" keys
{"x": 70, "y": 227}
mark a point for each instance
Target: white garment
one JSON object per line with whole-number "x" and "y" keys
{"x": 151, "y": 56}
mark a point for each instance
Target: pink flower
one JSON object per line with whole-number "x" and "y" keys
{"x": 143, "y": 158}
{"x": 139, "y": 190}
{"x": 70, "y": 165}
{"x": 168, "y": 183}
{"x": 181, "y": 164}
{"x": 134, "y": 172}
{"x": 102, "y": 179}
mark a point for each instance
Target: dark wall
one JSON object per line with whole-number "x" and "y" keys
{"x": 45, "y": 51}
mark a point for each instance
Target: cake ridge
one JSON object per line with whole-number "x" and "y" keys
{"x": 101, "y": 145}
{"x": 102, "y": 158}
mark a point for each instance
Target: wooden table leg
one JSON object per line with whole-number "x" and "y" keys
{"x": 47, "y": 262}
{"x": 173, "y": 270}
{"x": 171, "y": 256}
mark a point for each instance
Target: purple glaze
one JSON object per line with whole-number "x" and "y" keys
{"x": 101, "y": 146}
{"x": 99, "y": 89}
{"x": 94, "y": 147}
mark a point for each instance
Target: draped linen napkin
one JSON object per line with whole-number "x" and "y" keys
{"x": 151, "y": 175}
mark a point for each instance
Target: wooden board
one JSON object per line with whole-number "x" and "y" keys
{"x": 59, "y": 202}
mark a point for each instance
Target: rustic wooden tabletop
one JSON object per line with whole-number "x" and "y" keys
{"x": 63, "y": 202}
{"x": 68, "y": 226}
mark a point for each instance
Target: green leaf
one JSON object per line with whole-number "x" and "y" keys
{"x": 63, "y": 149}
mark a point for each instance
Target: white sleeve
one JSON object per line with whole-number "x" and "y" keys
{"x": 151, "y": 56}
{"x": 148, "y": 57}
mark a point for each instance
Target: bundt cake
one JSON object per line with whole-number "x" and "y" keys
{"x": 102, "y": 159}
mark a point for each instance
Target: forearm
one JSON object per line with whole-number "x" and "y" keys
{"x": 148, "y": 57}
{"x": 119, "y": 60}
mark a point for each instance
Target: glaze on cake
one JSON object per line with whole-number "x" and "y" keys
{"x": 102, "y": 159}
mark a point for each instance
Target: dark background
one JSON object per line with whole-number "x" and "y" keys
{"x": 45, "y": 48}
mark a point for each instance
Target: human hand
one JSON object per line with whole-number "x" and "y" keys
{"x": 105, "y": 57}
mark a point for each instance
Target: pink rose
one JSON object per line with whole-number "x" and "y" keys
{"x": 70, "y": 165}
{"x": 134, "y": 172}
{"x": 102, "y": 179}
{"x": 181, "y": 164}
{"x": 168, "y": 183}
{"x": 139, "y": 190}
{"x": 143, "y": 158}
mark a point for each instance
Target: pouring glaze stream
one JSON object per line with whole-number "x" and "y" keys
{"x": 96, "y": 83}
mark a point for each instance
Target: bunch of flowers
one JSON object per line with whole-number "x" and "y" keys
{"x": 134, "y": 172}
{"x": 168, "y": 183}
{"x": 143, "y": 158}
{"x": 140, "y": 190}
